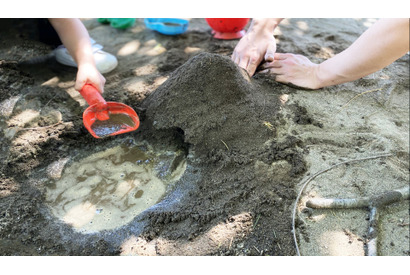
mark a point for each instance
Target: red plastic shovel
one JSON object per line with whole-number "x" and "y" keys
{"x": 103, "y": 118}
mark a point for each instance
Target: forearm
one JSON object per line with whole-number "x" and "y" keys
{"x": 75, "y": 38}
{"x": 266, "y": 25}
{"x": 382, "y": 44}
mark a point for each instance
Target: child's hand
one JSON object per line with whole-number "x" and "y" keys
{"x": 88, "y": 74}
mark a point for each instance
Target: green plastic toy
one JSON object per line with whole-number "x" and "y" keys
{"x": 118, "y": 23}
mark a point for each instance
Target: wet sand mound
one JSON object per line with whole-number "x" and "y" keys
{"x": 229, "y": 122}
{"x": 215, "y": 104}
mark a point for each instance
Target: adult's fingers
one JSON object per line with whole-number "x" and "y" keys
{"x": 270, "y": 53}
{"x": 251, "y": 67}
{"x": 281, "y": 56}
{"x": 247, "y": 64}
{"x": 234, "y": 57}
{"x": 277, "y": 75}
{"x": 274, "y": 71}
{"x": 242, "y": 62}
{"x": 273, "y": 64}
{"x": 281, "y": 78}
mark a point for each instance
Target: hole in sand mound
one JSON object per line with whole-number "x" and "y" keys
{"x": 110, "y": 188}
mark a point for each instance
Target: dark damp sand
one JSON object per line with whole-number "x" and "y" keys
{"x": 243, "y": 146}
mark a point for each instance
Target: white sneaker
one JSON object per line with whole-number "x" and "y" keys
{"x": 105, "y": 62}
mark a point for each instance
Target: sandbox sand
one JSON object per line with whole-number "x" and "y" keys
{"x": 250, "y": 144}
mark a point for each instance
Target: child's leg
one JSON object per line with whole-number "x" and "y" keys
{"x": 47, "y": 34}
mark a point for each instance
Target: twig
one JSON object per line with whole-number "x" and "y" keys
{"x": 314, "y": 176}
{"x": 230, "y": 244}
{"x": 372, "y": 233}
{"x": 43, "y": 127}
{"x": 47, "y": 103}
{"x": 373, "y": 203}
{"x": 225, "y": 144}
{"x": 257, "y": 219}
{"x": 369, "y": 91}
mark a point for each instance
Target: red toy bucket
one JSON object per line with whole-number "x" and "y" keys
{"x": 227, "y": 28}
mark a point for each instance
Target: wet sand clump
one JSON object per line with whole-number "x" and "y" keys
{"x": 229, "y": 122}
{"x": 215, "y": 104}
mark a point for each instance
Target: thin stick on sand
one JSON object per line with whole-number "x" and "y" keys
{"x": 366, "y": 92}
{"x": 373, "y": 203}
{"x": 361, "y": 202}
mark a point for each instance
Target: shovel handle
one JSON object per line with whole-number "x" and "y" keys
{"x": 92, "y": 96}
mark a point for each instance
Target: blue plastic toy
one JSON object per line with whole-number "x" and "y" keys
{"x": 168, "y": 26}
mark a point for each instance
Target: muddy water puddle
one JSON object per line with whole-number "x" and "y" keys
{"x": 110, "y": 188}
{"x": 115, "y": 123}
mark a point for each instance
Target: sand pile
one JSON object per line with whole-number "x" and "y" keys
{"x": 214, "y": 103}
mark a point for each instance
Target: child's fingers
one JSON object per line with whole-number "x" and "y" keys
{"x": 79, "y": 84}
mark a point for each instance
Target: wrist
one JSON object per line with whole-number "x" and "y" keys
{"x": 83, "y": 53}
{"x": 264, "y": 25}
{"x": 331, "y": 73}
{"x": 85, "y": 59}
{"x": 87, "y": 66}
{"x": 320, "y": 77}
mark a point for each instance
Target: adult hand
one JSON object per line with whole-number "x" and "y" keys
{"x": 366, "y": 55}
{"x": 88, "y": 74}
{"x": 257, "y": 45}
{"x": 252, "y": 49}
{"x": 293, "y": 69}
